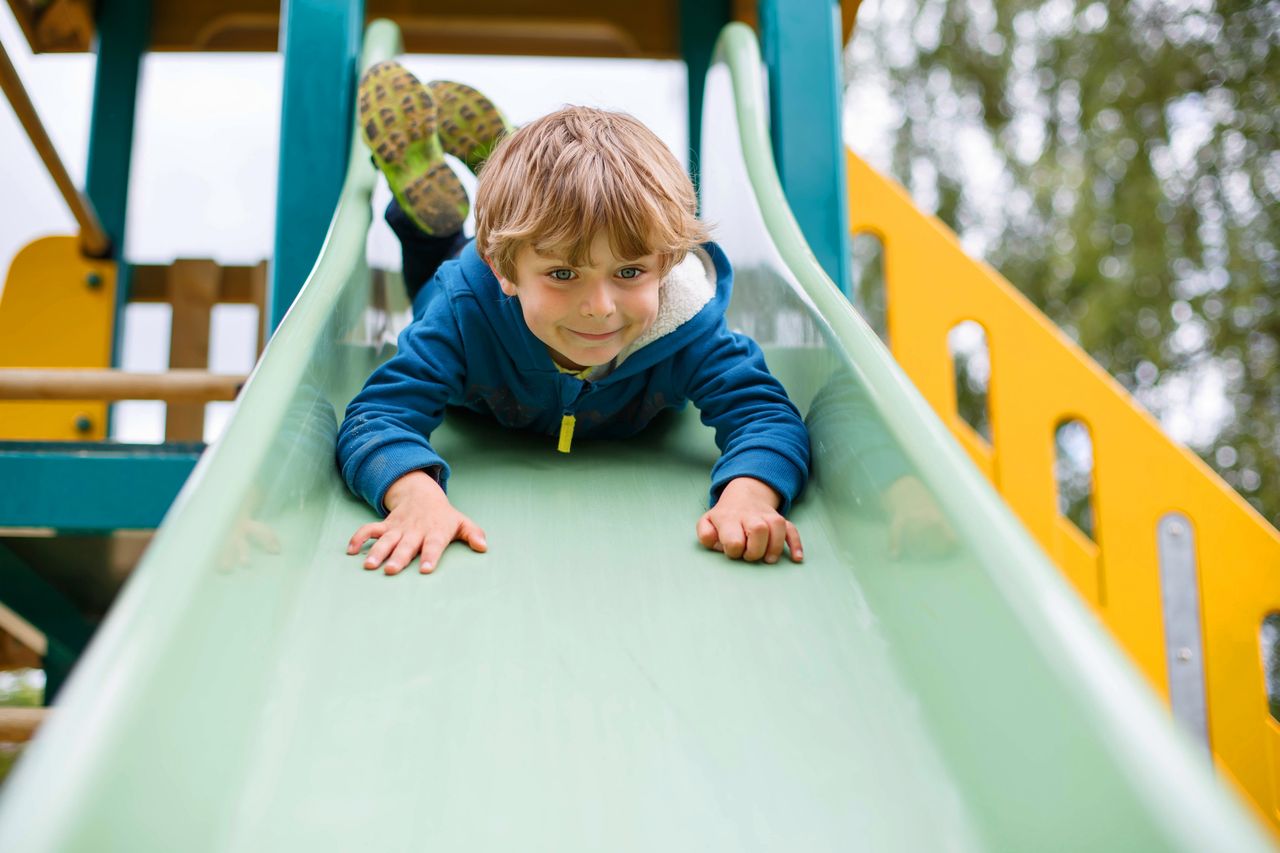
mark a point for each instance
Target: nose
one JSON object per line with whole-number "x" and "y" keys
{"x": 597, "y": 301}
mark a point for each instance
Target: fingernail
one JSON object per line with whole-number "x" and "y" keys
{"x": 483, "y": 543}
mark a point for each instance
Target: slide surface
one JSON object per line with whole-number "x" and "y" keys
{"x": 598, "y": 681}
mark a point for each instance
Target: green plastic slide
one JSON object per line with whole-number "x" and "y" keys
{"x": 598, "y": 681}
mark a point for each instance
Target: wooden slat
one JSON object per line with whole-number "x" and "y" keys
{"x": 193, "y": 287}
{"x": 20, "y": 724}
{"x": 149, "y": 283}
{"x": 179, "y": 386}
{"x": 19, "y": 629}
{"x": 258, "y": 294}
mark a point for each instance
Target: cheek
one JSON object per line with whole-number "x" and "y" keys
{"x": 645, "y": 306}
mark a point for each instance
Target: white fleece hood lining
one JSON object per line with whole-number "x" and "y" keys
{"x": 689, "y": 286}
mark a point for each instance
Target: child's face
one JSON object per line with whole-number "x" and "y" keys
{"x": 585, "y": 315}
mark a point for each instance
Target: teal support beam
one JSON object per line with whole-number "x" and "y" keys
{"x": 700, "y": 24}
{"x": 27, "y": 594}
{"x": 801, "y": 46}
{"x": 91, "y": 486}
{"x": 123, "y": 31}
{"x": 320, "y": 40}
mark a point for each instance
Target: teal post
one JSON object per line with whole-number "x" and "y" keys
{"x": 320, "y": 40}
{"x": 124, "y": 28}
{"x": 700, "y": 24}
{"x": 800, "y": 44}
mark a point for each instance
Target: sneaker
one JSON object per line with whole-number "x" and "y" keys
{"x": 398, "y": 122}
{"x": 469, "y": 124}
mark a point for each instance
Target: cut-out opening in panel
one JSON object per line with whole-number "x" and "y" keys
{"x": 867, "y": 276}
{"x": 1073, "y": 473}
{"x": 971, "y": 363}
{"x": 1270, "y": 638}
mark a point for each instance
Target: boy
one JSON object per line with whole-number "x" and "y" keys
{"x": 588, "y": 302}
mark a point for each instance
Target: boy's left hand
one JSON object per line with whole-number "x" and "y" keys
{"x": 745, "y": 524}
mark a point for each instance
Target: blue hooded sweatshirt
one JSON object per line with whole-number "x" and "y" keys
{"x": 470, "y": 347}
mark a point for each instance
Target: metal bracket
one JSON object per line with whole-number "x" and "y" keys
{"x": 1180, "y": 600}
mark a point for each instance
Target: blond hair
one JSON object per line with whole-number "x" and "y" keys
{"x": 556, "y": 183}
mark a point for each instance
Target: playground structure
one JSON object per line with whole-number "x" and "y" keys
{"x": 987, "y": 636}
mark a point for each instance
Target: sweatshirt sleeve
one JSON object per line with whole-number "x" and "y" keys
{"x": 387, "y": 425}
{"x": 758, "y": 429}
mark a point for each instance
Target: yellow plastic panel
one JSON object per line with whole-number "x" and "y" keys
{"x": 1040, "y": 378}
{"x": 57, "y": 310}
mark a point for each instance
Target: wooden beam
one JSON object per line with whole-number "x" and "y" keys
{"x": 93, "y": 239}
{"x": 181, "y": 386}
{"x": 19, "y": 724}
{"x": 237, "y": 284}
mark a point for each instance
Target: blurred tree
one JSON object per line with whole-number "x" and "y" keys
{"x": 1117, "y": 160}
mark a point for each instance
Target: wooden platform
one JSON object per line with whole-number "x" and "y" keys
{"x": 504, "y": 27}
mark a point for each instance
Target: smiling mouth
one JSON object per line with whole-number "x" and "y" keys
{"x": 603, "y": 336}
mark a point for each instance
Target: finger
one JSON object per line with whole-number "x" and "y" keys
{"x": 471, "y": 533}
{"x": 264, "y": 537}
{"x": 895, "y": 538}
{"x": 757, "y": 539}
{"x": 733, "y": 540}
{"x": 403, "y": 554}
{"x": 793, "y": 543}
{"x": 777, "y": 539}
{"x": 364, "y": 533}
{"x": 707, "y": 534}
{"x": 382, "y": 548}
{"x": 432, "y": 548}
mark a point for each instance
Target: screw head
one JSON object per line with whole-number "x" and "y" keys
{"x": 93, "y": 280}
{"x": 1184, "y": 654}
{"x": 83, "y": 423}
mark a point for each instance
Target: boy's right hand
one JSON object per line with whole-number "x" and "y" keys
{"x": 420, "y": 521}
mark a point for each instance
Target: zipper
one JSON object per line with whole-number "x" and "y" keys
{"x": 566, "y": 432}
{"x": 568, "y": 420}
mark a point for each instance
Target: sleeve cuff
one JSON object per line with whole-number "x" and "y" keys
{"x": 392, "y": 462}
{"x": 774, "y": 470}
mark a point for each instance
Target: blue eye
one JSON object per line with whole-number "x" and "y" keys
{"x": 561, "y": 275}
{"x": 630, "y": 272}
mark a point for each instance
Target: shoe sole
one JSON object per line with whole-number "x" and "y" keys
{"x": 398, "y": 123}
{"x": 469, "y": 125}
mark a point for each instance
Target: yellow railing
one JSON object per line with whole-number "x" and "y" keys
{"x": 1168, "y": 530}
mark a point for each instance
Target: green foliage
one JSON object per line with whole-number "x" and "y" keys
{"x": 22, "y": 688}
{"x": 1117, "y": 161}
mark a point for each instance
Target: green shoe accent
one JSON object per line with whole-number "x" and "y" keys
{"x": 469, "y": 124}
{"x": 398, "y": 123}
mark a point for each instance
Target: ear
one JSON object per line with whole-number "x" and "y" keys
{"x": 508, "y": 287}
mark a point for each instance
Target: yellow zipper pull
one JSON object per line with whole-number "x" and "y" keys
{"x": 566, "y": 433}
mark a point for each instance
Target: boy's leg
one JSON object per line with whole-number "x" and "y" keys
{"x": 398, "y": 121}
{"x": 469, "y": 125}
{"x": 421, "y": 253}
